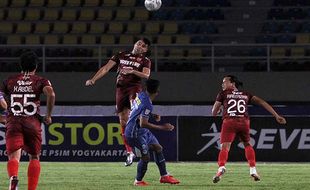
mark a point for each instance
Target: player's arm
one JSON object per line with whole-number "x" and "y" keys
{"x": 156, "y": 117}
{"x": 216, "y": 108}
{"x": 268, "y": 107}
{"x": 144, "y": 74}
{"x": 50, "y": 102}
{"x": 101, "y": 72}
{"x": 3, "y": 104}
{"x": 144, "y": 122}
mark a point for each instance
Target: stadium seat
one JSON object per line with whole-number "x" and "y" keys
{"x": 194, "y": 53}
{"x": 128, "y": 3}
{"x": 4, "y": 3}
{"x": 14, "y": 39}
{"x": 55, "y": 3}
{"x": 88, "y": 39}
{"x": 51, "y": 14}
{"x": 70, "y": 39}
{"x": 33, "y": 14}
{"x": 32, "y": 39}
{"x": 182, "y": 39}
{"x": 115, "y": 28}
{"x": 36, "y": 3}
{"x": 176, "y": 53}
{"x": 177, "y": 14}
{"x": 170, "y": 28}
{"x": 110, "y": 3}
{"x": 60, "y": 28}
{"x": 73, "y": 3}
{"x": 42, "y": 28}
{"x": 164, "y": 39}
{"x": 302, "y": 38}
{"x": 6, "y": 28}
{"x": 277, "y": 52}
{"x": 123, "y": 15}
{"x": 87, "y": 14}
{"x": 2, "y": 13}
{"x": 79, "y": 28}
{"x": 68, "y": 15}
{"x": 51, "y": 39}
{"x": 134, "y": 28}
{"x": 15, "y": 15}
{"x": 18, "y": 3}
{"x": 105, "y": 14}
{"x": 141, "y": 14}
{"x": 23, "y": 28}
{"x": 126, "y": 39}
{"x": 107, "y": 39}
{"x": 298, "y": 51}
{"x": 92, "y": 3}
{"x": 97, "y": 28}
{"x": 152, "y": 28}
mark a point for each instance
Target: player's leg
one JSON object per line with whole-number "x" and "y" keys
{"x": 159, "y": 158}
{"x": 33, "y": 141}
{"x": 12, "y": 168}
{"x": 227, "y": 136}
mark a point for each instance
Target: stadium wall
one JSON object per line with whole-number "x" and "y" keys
{"x": 187, "y": 87}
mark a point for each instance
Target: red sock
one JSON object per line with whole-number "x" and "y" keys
{"x": 128, "y": 148}
{"x": 222, "y": 159}
{"x": 12, "y": 167}
{"x": 250, "y": 155}
{"x": 33, "y": 174}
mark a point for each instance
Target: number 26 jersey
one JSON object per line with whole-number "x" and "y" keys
{"x": 23, "y": 94}
{"x": 235, "y": 103}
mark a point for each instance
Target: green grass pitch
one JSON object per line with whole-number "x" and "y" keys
{"x": 193, "y": 175}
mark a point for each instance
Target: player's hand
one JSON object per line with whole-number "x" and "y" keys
{"x": 168, "y": 127}
{"x": 281, "y": 120}
{"x": 157, "y": 117}
{"x": 47, "y": 120}
{"x": 127, "y": 70}
{"x": 89, "y": 82}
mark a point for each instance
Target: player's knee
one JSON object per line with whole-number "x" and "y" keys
{"x": 145, "y": 158}
{"x": 34, "y": 157}
{"x": 225, "y": 146}
{"x": 246, "y": 144}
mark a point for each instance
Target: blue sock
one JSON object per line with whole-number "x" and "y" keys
{"x": 141, "y": 169}
{"x": 161, "y": 162}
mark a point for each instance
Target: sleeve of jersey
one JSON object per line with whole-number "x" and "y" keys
{"x": 1, "y": 95}
{"x": 147, "y": 63}
{"x": 45, "y": 82}
{"x": 219, "y": 97}
{"x": 115, "y": 57}
{"x": 146, "y": 111}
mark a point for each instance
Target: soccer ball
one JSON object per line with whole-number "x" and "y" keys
{"x": 152, "y": 5}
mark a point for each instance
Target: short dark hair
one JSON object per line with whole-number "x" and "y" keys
{"x": 148, "y": 43}
{"x": 28, "y": 61}
{"x": 235, "y": 80}
{"x": 152, "y": 86}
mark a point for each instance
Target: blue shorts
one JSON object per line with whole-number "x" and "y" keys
{"x": 141, "y": 143}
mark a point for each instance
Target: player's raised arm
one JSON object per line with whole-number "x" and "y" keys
{"x": 216, "y": 108}
{"x": 144, "y": 122}
{"x": 50, "y": 102}
{"x": 268, "y": 107}
{"x": 101, "y": 72}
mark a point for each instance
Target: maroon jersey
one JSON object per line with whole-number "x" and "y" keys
{"x": 136, "y": 62}
{"x": 23, "y": 92}
{"x": 235, "y": 103}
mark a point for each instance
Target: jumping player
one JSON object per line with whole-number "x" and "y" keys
{"x": 139, "y": 136}
{"x": 236, "y": 122}
{"x": 132, "y": 68}
{"x": 23, "y": 125}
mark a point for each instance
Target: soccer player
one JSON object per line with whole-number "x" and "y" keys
{"x": 139, "y": 136}
{"x": 3, "y": 107}
{"x": 236, "y": 122}
{"x": 132, "y": 68}
{"x": 23, "y": 125}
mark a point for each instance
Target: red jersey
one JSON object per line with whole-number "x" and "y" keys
{"x": 136, "y": 62}
{"x": 23, "y": 92}
{"x": 235, "y": 103}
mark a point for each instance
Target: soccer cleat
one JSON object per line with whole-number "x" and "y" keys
{"x": 219, "y": 174}
{"x": 255, "y": 177}
{"x": 168, "y": 179}
{"x": 129, "y": 160}
{"x": 13, "y": 183}
{"x": 140, "y": 183}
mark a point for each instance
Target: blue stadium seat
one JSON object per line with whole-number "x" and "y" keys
{"x": 189, "y": 28}
{"x": 177, "y": 14}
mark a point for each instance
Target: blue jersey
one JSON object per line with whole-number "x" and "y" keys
{"x": 141, "y": 106}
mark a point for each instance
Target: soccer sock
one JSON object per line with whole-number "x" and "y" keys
{"x": 128, "y": 148}
{"x": 12, "y": 167}
{"x": 161, "y": 162}
{"x": 223, "y": 156}
{"x": 33, "y": 174}
{"x": 250, "y": 155}
{"x": 141, "y": 169}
